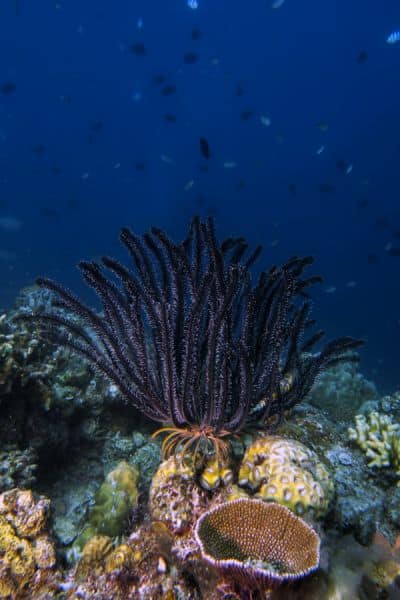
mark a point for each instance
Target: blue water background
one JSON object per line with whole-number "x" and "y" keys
{"x": 72, "y": 65}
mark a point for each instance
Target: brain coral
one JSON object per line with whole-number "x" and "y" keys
{"x": 285, "y": 471}
{"x": 257, "y": 543}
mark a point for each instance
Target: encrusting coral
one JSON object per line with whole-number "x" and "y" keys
{"x": 175, "y": 497}
{"x": 115, "y": 499}
{"x": 257, "y": 543}
{"x": 285, "y": 471}
{"x": 379, "y": 438}
{"x": 27, "y": 554}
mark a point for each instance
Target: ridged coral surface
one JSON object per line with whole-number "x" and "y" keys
{"x": 285, "y": 471}
{"x": 253, "y": 540}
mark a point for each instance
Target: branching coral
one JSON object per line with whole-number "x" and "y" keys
{"x": 379, "y": 438}
{"x": 190, "y": 341}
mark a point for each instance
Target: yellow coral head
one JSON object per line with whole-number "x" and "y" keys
{"x": 257, "y": 543}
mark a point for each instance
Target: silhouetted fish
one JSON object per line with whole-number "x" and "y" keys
{"x": 396, "y": 233}
{"x": 8, "y": 88}
{"x": 45, "y": 211}
{"x": 238, "y": 90}
{"x": 139, "y": 49}
{"x": 362, "y": 57}
{"x": 196, "y": 34}
{"x": 204, "y": 148}
{"x": 381, "y": 223}
{"x": 246, "y": 114}
{"x": 168, "y": 90}
{"x": 326, "y": 188}
{"x": 362, "y": 203}
{"x": 140, "y": 166}
{"x": 372, "y": 258}
{"x": 190, "y": 58}
{"x": 394, "y": 251}
{"x": 292, "y": 187}
{"x": 159, "y": 79}
{"x": 170, "y": 118}
{"x": 96, "y": 126}
{"x": 39, "y": 149}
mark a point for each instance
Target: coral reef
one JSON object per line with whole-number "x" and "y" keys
{"x": 175, "y": 497}
{"x": 285, "y": 471}
{"x": 27, "y": 554}
{"x": 114, "y": 501}
{"x": 341, "y": 390}
{"x": 379, "y": 438}
{"x": 257, "y": 543}
{"x": 17, "y": 468}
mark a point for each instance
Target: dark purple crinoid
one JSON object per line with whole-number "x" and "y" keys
{"x": 190, "y": 340}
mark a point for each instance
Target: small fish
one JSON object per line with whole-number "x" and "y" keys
{"x": 139, "y": 49}
{"x": 393, "y": 38}
{"x": 351, "y": 284}
{"x": 8, "y": 88}
{"x": 190, "y": 58}
{"x": 85, "y": 175}
{"x": 38, "y": 149}
{"x": 189, "y": 185}
{"x": 320, "y": 150}
{"x": 117, "y": 165}
{"x": 230, "y": 164}
{"x": 322, "y": 126}
{"x": 246, "y": 114}
{"x": 170, "y": 118}
{"x": 159, "y": 79}
{"x": 136, "y": 96}
{"x": 238, "y": 90}
{"x": 330, "y": 290}
{"x": 167, "y": 159}
{"x": 204, "y": 148}
{"x": 362, "y": 203}
{"x": 273, "y": 243}
{"x": 168, "y": 90}
{"x": 10, "y": 224}
{"x": 193, "y": 4}
{"x": 277, "y": 3}
{"x": 266, "y": 121}
{"x": 196, "y": 34}
{"x": 362, "y": 57}
{"x": 326, "y": 188}
{"x": 381, "y": 223}
{"x": 139, "y": 23}
{"x": 45, "y": 211}
{"x": 96, "y": 126}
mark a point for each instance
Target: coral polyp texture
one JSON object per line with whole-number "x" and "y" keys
{"x": 190, "y": 340}
{"x": 379, "y": 438}
{"x": 115, "y": 499}
{"x": 27, "y": 554}
{"x": 258, "y": 543}
{"x": 285, "y": 471}
{"x": 175, "y": 498}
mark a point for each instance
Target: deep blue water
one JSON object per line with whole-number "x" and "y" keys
{"x": 71, "y": 188}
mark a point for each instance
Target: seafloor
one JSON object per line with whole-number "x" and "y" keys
{"x": 87, "y": 509}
